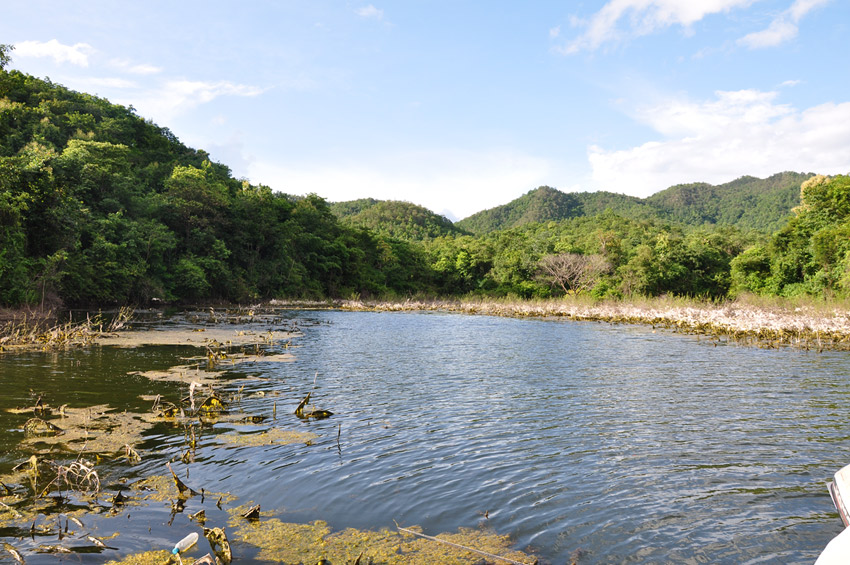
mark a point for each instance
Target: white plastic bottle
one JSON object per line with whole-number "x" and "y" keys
{"x": 185, "y": 543}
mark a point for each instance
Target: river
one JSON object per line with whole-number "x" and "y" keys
{"x": 582, "y": 441}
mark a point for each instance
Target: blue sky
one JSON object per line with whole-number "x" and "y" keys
{"x": 461, "y": 106}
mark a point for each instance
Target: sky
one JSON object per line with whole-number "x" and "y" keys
{"x": 461, "y": 106}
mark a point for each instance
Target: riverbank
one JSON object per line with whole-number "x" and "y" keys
{"x": 751, "y": 321}
{"x": 755, "y": 321}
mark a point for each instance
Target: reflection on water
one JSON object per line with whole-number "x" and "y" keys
{"x": 620, "y": 443}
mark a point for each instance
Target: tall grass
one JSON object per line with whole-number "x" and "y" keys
{"x": 43, "y": 331}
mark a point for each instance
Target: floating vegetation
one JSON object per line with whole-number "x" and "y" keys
{"x": 94, "y": 429}
{"x": 160, "y": 557}
{"x": 79, "y": 476}
{"x": 74, "y": 451}
{"x": 162, "y": 488}
{"x": 273, "y": 436}
{"x": 311, "y": 543}
{"x": 203, "y": 373}
{"x": 211, "y": 405}
{"x": 207, "y": 338}
{"x": 38, "y": 427}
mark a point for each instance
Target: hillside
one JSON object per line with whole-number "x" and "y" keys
{"x": 99, "y": 206}
{"x": 545, "y": 204}
{"x": 748, "y": 203}
{"x": 393, "y": 218}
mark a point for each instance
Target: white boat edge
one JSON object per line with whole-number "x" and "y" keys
{"x": 837, "y": 551}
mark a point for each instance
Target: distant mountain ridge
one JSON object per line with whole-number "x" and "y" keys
{"x": 747, "y": 202}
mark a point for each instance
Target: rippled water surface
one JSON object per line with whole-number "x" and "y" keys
{"x": 607, "y": 443}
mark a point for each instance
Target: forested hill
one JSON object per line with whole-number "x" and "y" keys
{"x": 748, "y": 203}
{"x": 546, "y": 204}
{"x": 394, "y": 218}
{"x": 99, "y": 206}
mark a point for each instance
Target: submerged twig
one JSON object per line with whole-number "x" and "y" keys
{"x": 457, "y": 545}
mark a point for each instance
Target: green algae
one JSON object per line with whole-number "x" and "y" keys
{"x": 95, "y": 429}
{"x": 160, "y": 557}
{"x": 286, "y": 542}
{"x": 272, "y": 436}
{"x": 161, "y": 488}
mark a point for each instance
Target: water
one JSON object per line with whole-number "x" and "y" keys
{"x": 612, "y": 443}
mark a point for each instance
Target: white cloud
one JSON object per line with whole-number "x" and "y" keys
{"x": 177, "y": 96}
{"x": 457, "y": 183}
{"x": 644, "y": 17}
{"x": 110, "y": 82}
{"x": 139, "y": 69}
{"x": 718, "y": 140}
{"x": 370, "y": 12}
{"x": 783, "y": 28}
{"x": 77, "y": 54}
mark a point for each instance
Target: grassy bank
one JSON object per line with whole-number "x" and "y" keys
{"x": 812, "y": 325}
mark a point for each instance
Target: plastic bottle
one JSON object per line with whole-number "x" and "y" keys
{"x": 185, "y": 543}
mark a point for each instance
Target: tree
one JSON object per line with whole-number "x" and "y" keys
{"x": 574, "y": 272}
{"x": 5, "y": 55}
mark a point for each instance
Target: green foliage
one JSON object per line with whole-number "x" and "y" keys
{"x": 5, "y": 54}
{"x": 98, "y": 206}
{"x": 395, "y": 219}
{"x": 546, "y": 204}
{"x": 748, "y": 203}
{"x": 810, "y": 254}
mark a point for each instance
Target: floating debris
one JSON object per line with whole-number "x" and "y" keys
{"x": 44, "y": 548}
{"x": 219, "y": 544}
{"x": 211, "y": 405}
{"x": 311, "y": 413}
{"x": 252, "y": 513}
{"x": 132, "y": 455}
{"x": 16, "y": 555}
{"x": 200, "y": 517}
{"x": 38, "y": 427}
{"x": 181, "y": 486}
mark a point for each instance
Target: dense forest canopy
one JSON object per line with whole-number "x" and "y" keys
{"x": 99, "y": 206}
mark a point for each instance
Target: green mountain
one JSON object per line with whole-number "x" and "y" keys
{"x": 546, "y": 204}
{"x": 393, "y": 218}
{"x": 748, "y": 203}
